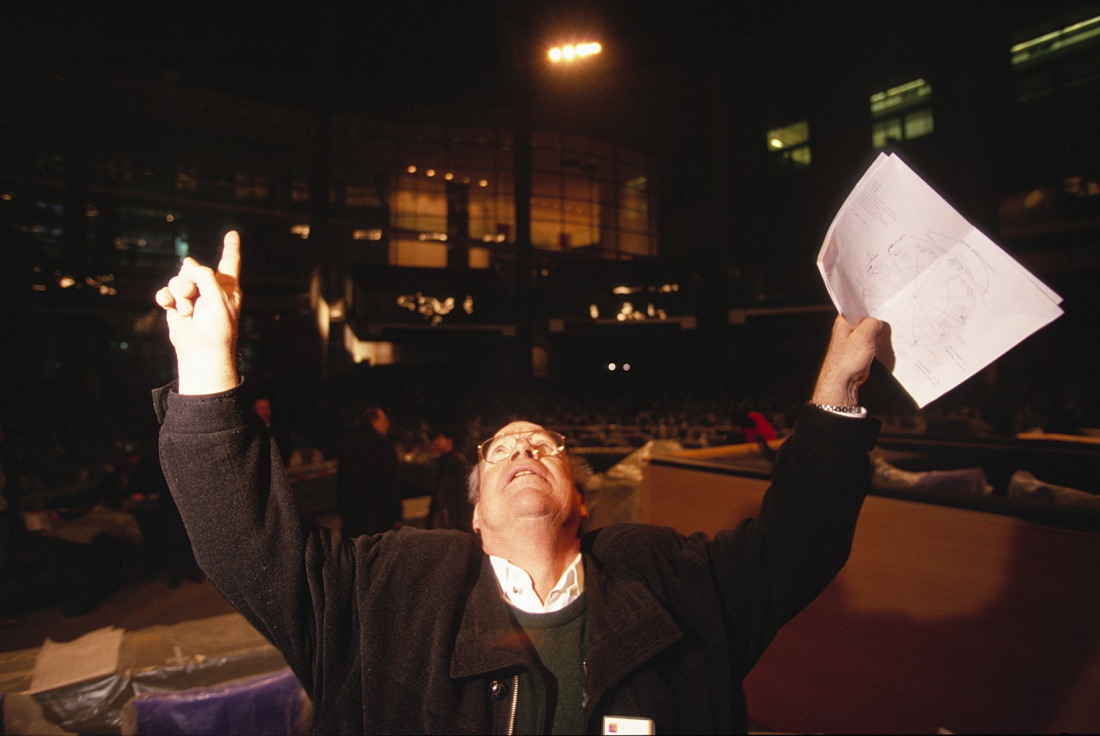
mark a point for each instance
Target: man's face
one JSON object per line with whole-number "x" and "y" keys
{"x": 526, "y": 484}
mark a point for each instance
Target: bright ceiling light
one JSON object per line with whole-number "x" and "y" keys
{"x": 573, "y": 52}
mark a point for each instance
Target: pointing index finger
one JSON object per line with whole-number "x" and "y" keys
{"x": 230, "y": 263}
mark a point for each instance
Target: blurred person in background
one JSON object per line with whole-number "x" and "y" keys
{"x": 368, "y": 491}
{"x": 450, "y": 508}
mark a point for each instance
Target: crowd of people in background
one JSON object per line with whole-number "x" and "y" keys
{"x": 58, "y": 462}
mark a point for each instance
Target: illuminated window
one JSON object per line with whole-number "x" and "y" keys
{"x": 1052, "y": 63}
{"x": 901, "y": 113}
{"x": 1049, "y": 44}
{"x": 361, "y": 196}
{"x": 792, "y": 143}
{"x": 299, "y": 191}
{"x": 252, "y": 187}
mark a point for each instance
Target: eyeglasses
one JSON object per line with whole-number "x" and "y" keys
{"x": 542, "y": 441}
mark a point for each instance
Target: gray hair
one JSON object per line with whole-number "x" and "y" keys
{"x": 578, "y": 466}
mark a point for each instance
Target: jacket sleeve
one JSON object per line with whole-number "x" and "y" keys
{"x": 774, "y": 565}
{"x": 236, "y": 502}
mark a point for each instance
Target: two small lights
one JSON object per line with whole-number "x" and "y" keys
{"x": 574, "y": 52}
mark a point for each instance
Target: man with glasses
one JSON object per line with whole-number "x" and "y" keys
{"x": 526, "y": 627}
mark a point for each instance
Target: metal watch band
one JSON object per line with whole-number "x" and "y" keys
{"x": 839, "y": 409}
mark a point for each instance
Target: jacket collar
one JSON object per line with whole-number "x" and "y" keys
{"x": 487, "y": 640}
{"x": 627, "y": 626}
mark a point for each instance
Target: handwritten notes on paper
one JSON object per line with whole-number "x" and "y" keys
{"x": 954, "y": 300}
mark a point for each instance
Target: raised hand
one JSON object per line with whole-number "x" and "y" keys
{"x": 847, "y": 362}
{"x": 203, "y": 307}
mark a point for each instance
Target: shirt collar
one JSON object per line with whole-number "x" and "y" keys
{"x": 518, "y": 589}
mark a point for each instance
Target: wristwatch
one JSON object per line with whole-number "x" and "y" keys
{"x": 850, "y": 411}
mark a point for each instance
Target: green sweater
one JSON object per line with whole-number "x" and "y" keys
{"x": 551, "y": 698}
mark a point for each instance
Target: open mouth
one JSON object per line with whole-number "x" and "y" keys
{"x": 522, "y": 472}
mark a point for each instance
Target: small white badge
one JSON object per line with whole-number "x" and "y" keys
{"x": 624, "y": 724}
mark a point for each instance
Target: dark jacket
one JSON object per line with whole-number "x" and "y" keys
{"x": 407, "y": 632}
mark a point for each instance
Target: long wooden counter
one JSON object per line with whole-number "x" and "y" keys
{"x": 944, "y": 618}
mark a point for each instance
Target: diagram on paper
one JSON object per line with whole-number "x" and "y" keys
{"x": 926, "y": 287}
{"x": 954, "y": 301}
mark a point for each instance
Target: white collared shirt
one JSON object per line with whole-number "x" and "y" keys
{"x": 519, "y": 589}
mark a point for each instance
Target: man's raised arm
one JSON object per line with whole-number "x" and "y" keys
{"x": 222, "y": 467}
{"x": 788, "y": 554}
{"x": 203, "y": 308}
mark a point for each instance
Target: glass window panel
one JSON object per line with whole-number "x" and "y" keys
{"x": 636, "y": 222}
{"x": 573, "y": 219}
{"x": 632, "y": 176}
{"x": 918, "y": 123}
{"x": 634, "y": 243}
{"x": 545, "y": 185}
{"x": 788, "y": 136}
{"x": 580, "y": 237}
{"x": 417, "y": 253}
{"x": 482, "y": 228}
{"x": 506, "y": 209}
{"x": 544, "y": 234}
{"x": 1078, "y": 33}
{"x": 547, "y": 210}
{"x": 884, "y": 131}
{"x": 361, "y": 196}
{"x": 635, "y": 198}
{"x": 487, "y": 212}
{"x": 577, "y": 189}
{"x": 800, "y": 155}
{"x": 478, "y": 257}
{"x": 886, "y": 102}
{"x": 497, "y": 182}
{"x": 421, "y": 206}
{"x": 491, "y": 218}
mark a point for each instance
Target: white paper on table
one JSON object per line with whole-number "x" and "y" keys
{"x": 93, "y": 655}
{"x": 955, "y": 301}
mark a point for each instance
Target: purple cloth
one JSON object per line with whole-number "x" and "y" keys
{"x": 266, "y": 704}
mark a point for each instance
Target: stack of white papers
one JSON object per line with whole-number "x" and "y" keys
{"x": 954, "y": 300}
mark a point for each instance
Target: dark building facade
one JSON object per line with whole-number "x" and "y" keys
{"x": 686, "y": 248}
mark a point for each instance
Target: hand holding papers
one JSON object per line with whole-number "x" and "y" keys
{"x": 954, "y": 300}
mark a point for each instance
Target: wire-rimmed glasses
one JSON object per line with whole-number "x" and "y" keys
{"x": 544, "y": 442}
